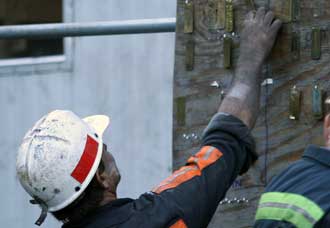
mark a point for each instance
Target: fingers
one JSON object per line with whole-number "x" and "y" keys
{"x": 277, "y": 24}
{"x": 250, "y": 16}
{"x": 260, "y": 14}
{"x": 269, "y": 18}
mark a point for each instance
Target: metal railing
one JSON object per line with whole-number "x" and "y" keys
{"x": 58, "y": 30}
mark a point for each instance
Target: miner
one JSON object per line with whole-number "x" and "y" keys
{"x": 65, "y": 166}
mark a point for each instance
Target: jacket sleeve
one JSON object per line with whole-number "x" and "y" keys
{"x": 196, "y": 189}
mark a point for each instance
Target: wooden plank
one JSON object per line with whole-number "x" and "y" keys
{"x": 290, "y": 65}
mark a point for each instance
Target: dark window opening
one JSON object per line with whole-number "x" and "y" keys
{"x": 16, "y": 12}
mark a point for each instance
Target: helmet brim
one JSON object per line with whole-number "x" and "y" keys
{"x": 98, "y": 122}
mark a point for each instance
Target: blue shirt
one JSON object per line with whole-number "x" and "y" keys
{"x": 309, "y": 177}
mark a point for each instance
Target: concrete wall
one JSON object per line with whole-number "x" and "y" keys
{"x": 126, "y": 77}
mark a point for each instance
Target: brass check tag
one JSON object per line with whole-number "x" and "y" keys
{"x": 188, "y": 17}
{"x": 295, "y": 10}
{"x": 181, "y": 110}
{"x": 316, "y": 43}
{"x": 221, "y": 12}
{"x": 212, "y": 14}
{"x": 229, "y": 12}
{"x": 190, "y": 54}
{"x": 294, "y": 106}
{"x": 295, "y": 46}
{"x": 317, "y": 103}
{"x": 227, "y": 50}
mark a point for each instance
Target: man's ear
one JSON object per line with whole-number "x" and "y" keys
{"x": 102, "y": 179}
{"x": 326, "y": 130}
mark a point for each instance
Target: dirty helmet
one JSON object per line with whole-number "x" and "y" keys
{"x": 59, "y": 157}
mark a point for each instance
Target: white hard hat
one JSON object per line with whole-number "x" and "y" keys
{"x": 59, "y": 157}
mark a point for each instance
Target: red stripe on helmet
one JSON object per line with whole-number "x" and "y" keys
{"x": 87, "y": 160}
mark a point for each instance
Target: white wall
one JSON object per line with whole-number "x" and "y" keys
{"x": 126, "y": 77}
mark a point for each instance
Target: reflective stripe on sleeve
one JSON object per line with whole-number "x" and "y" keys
{"x": 207, "y": 156}
{"x": 293, "y": 208}
{"x": 179, "y": 224}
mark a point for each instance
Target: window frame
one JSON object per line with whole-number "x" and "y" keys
{"x": 44, "y": 64}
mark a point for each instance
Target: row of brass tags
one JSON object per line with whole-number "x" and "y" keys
{"x": 286, "y": 10}
{"x": 315, "y": 47}
{"x": 295, "y": 103}
{"x": 221, "y": 15}
{"x": 289, "y": 11}
{"x": 216, "y": 14}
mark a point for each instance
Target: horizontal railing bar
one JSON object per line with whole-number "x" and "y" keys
{"x": 58, "y": 30}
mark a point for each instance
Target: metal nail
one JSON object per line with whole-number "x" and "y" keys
{"x": 268, "y": 81}
{"x": 215, "y": 84}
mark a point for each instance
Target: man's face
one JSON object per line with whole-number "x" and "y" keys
{"x": 110, "y": 168}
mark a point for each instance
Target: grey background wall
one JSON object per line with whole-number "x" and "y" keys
{"x": 126, "y": 77}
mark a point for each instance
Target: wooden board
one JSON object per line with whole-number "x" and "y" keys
{"x": 195, "y": 101}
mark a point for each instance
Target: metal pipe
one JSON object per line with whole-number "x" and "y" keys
{"x": 58, "y": 30}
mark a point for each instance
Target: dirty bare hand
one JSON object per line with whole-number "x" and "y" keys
{"x": 257, "y": 40}
{"x": 258, "y": 37}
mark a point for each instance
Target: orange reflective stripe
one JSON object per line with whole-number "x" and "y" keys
{"x": 182, "y": 175}
{"x": 205, "y": 157}
{"x": 179, "y": 224}
{"x": 195, "y": 164}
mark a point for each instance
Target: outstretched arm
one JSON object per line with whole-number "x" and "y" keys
{"x": 257, "y": 40}
{"x": 192, "y": 193}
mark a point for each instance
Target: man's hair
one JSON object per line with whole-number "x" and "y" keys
{"x": 89, "y": 200}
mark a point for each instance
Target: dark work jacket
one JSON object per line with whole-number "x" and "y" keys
{"x": 308, "y": 177}
{"x": 191, "y": 195}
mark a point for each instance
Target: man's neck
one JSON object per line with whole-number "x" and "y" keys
{"x": 108, "y": 197}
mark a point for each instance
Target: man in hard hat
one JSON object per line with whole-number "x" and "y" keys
{"x": 300, "y": 195}
{"x": 64, "y": 164}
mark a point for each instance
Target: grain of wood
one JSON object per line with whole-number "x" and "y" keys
{"x": 287, "y": 139}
